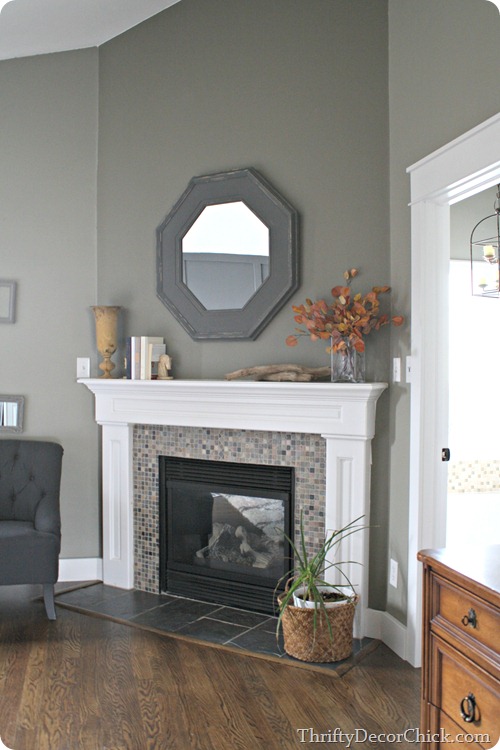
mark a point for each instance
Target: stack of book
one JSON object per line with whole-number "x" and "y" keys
{"x": 143, "y": 355}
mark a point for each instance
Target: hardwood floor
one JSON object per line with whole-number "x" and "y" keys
{"x": 85, "y": 683}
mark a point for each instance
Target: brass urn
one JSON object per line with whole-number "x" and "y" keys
{"x": 106, "y": 319}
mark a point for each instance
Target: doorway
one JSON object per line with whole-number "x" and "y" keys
{"x": 462, "y": 168}
{"x": 473, "y": 487}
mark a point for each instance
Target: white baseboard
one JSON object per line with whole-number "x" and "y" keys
{"x": 386, "y": 628}
{"x": 80, "y": 569}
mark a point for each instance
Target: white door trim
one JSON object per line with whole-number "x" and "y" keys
{"x": 467, "y": 165}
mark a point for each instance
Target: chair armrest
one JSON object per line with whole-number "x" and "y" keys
{"x": 47, "y": 516}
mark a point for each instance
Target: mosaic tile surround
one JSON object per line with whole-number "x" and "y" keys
{"x": 305, "y": 452}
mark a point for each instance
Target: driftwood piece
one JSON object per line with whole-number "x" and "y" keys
{"x": 297, "y": 373}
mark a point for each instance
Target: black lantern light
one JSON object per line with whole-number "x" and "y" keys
{"x": 485, "y": 254}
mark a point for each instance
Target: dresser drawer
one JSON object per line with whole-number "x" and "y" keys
{"x": 441, "y": 733}
{"x": 464, "y": 691}
{"x": 466, "y": 613}
{"x": 454, "y": 737}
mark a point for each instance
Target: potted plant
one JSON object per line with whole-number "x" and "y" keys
{"x": 344, "y": 323}
{"x": 316, "y": 616}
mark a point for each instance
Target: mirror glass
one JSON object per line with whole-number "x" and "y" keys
{"x": 225, "y": 256}
{"x": 11, "y": 413}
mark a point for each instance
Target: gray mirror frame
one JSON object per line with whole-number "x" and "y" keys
{"x": 19, "y": 400}
{"x": 273, "y": 210}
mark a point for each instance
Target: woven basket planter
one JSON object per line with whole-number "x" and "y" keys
{"x": 310, "y": 641}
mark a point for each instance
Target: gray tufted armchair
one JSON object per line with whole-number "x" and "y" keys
{"x": 30, "y": 525}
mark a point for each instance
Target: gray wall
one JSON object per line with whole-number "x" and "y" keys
{"x": 212, "y": 85}
{"x": 442, "y": 82}
{"x": 48, "y": 162}
{"x": 297, "y": 90}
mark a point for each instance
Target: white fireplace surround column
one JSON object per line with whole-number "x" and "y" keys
{"x": 342, "y": 413}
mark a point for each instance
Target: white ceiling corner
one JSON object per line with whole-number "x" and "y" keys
{"x": 38, "y": 27}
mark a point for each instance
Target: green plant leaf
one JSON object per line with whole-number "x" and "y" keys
{"x": 308, "y": 571}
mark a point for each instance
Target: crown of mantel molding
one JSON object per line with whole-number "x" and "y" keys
{"x": 344, "y": 409}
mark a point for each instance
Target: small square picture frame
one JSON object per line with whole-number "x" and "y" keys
{"x": 7, "y": 301}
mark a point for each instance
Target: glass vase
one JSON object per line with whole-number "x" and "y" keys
{"x": 348, "y": 365}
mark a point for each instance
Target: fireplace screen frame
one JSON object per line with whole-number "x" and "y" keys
{"x": 242, "y": 589}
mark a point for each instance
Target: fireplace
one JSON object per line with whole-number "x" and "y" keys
{"x": 339, "y": 416}
{"x": 223, "y": 529}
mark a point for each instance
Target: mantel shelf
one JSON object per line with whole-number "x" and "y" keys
{"x": 322, "y": 408}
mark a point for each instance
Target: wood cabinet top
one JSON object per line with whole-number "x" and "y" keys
{"x": 480, "y": 565}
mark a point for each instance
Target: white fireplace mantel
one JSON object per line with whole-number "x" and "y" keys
{"x": 342, "y": 413}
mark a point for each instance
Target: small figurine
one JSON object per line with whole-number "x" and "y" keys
{"x": 164, "y": 367}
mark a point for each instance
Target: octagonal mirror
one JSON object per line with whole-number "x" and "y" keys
{"x": 227, "y": 255}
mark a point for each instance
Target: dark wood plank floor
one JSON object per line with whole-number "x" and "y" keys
{"x": 85, "y": 683}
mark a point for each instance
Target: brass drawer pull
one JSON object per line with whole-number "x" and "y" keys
{"x": 470, "y": 618}
{"x": 468, "y": 708}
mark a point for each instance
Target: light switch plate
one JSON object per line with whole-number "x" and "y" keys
{"x": 396, "y": 370}
{"x": 83, "y": 367}
{"x": 408, "y": 369}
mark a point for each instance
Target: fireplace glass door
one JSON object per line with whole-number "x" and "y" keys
{"x": 223, "y": 529}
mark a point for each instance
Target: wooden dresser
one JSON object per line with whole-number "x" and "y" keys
{"x": 461, "y": 645}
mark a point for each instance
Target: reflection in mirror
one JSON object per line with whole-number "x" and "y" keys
{"x": 11, "y": 413}
{"x": 225, "y": 256}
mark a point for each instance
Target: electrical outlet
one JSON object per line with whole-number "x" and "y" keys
{"x": 396, "y": 370}
{"x": 393, "y": 573}
{"x": 83, "y": 367}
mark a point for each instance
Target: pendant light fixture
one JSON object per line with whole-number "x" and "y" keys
{"x": 485, "y": 254}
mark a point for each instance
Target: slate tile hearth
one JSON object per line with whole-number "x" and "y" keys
{"x": 239, "y": 629}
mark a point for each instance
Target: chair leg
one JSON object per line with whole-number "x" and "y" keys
{"x": 48, "y": 598}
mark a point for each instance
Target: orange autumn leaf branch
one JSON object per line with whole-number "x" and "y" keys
{"x": 348, "y": 318}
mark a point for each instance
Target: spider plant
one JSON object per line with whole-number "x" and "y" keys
{"x": 309, "y": 572}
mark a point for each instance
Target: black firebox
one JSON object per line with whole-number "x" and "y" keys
{"x": 223, "y": 529}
